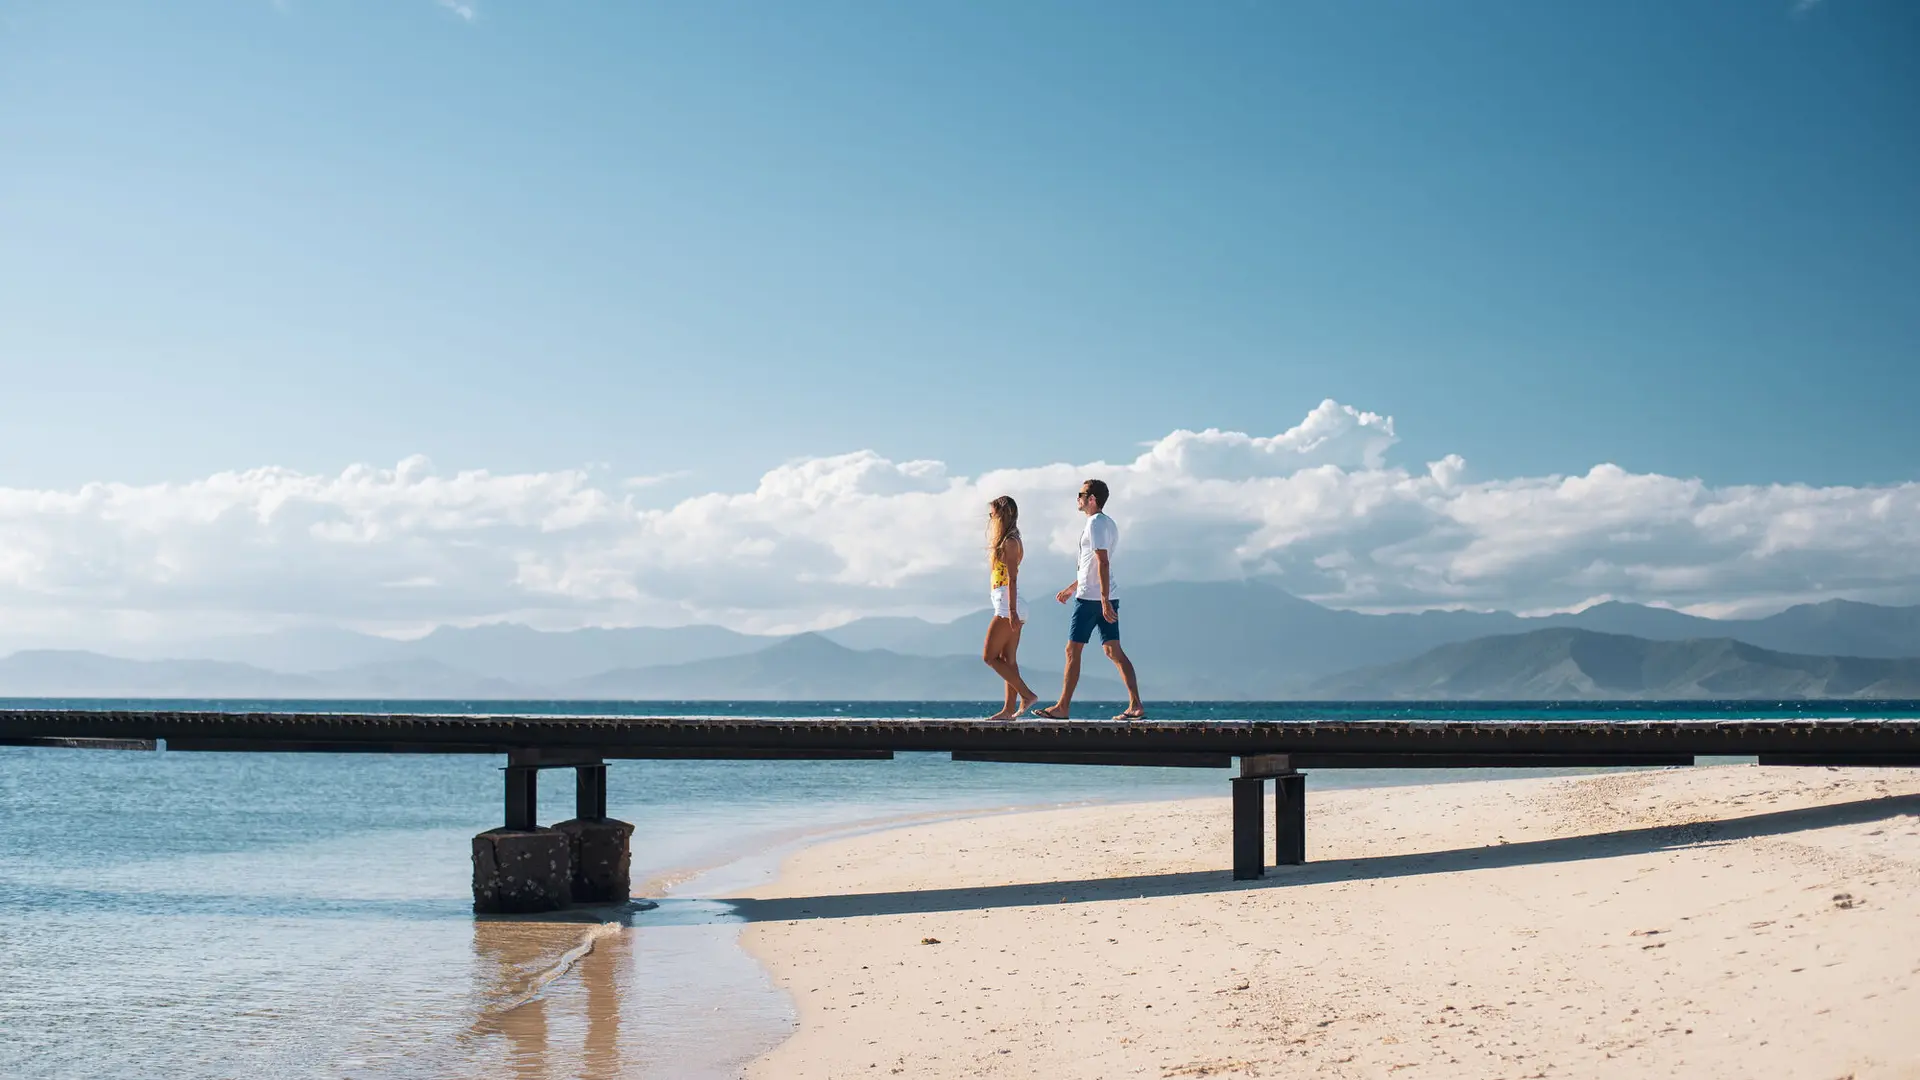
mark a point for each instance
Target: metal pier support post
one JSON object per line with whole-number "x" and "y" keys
{"x": 523, "y": 797}
{"x": 1290, "y": 820}
{"x": 1249, "y": 813}
{"x": 1249, "y": 846}
{"x": 590, "y": 792}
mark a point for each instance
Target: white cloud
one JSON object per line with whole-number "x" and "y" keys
{"x": 1332, "y": 434}
{"x": 637, "y": 482}
{"x": 1317, "y": 508}
{"x": 467, "y": 11}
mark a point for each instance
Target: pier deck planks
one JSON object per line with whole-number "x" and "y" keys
{"x": 1313, "y": 743}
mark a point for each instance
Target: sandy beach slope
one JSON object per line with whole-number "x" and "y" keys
{"x": 1735, "y": 921}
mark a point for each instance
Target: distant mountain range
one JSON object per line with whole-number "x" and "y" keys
{"x": 812, "y": 668}
{"x": 1250, "y": 640}
{"x": 507, "y": 651}
{"x": 803, "y": 668}
{"x": 1565, "y": 664}
{"x": 68, "y": 673}
{"x": 1223, "y": 641}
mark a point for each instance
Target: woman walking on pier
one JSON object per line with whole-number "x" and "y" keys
{"x": 1004, "y": 552}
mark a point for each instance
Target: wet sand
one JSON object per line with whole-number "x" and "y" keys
{"x": 1735, "y": 921}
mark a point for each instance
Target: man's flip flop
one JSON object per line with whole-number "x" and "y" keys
{"x": 1046, "y": 712}
{"x": 1130, "y": 715}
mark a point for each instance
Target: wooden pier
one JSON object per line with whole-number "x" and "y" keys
{"x": 1276, "y": 751}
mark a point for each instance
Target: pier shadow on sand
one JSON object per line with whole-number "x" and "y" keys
{"x": 1605, "y": 845}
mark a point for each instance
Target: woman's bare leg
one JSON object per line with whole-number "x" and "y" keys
{"x": 1027, "y": 696}
{"x": 998, "y": 652}
{"x": 992, "y": 652}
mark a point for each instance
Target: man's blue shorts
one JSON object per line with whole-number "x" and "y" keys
{"x": 1086, "y": 616}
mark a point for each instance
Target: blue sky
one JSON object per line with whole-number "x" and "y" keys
{"x": 1681, "y": 236}
{"x": 701, "y": 240}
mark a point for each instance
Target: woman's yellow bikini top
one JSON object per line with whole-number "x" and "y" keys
{"x": 1000, "y": 575}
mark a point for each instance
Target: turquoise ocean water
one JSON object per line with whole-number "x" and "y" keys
{"x": 307, "y": 915}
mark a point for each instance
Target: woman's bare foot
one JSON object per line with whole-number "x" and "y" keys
{"x": 1025, "y": 704}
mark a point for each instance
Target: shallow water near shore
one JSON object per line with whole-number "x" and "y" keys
{"x": 214, "y": 915}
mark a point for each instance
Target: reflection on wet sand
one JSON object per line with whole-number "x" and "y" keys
{"x": 549, "y": 995}
{"x": 602, "y": 973}
{"x": 525, "y": 1027}
{"x": 643, "y": 992}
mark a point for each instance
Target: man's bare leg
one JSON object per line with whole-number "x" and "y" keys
{"x": 1119, "y": 657}
{"x": 1069, "y": 679}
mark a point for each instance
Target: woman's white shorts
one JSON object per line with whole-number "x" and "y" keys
{"x": 1000, "y": 604}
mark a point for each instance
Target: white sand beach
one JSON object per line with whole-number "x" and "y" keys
{"x": 1734, "y": 921}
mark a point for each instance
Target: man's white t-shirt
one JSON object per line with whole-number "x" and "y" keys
{"x": 1100, "y": 535}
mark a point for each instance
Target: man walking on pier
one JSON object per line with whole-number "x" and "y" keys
{"x": 1095, "y": 606}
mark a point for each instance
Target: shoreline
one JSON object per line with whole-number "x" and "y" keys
{"x": 697, "y": 902}
{"x": 1651, "y": 922}
{"x": 724, "y": 1009}
{"x": 779, "y": 844}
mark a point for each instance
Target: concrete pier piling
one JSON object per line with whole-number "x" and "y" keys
{"x": 601, "y": 846}
{"x": 521, "y": 870}
{"x": 523, "y": 867}
{"x": 600, "y": 852}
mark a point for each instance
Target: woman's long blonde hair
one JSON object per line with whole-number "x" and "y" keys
{"x": 1003, "y": 524}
